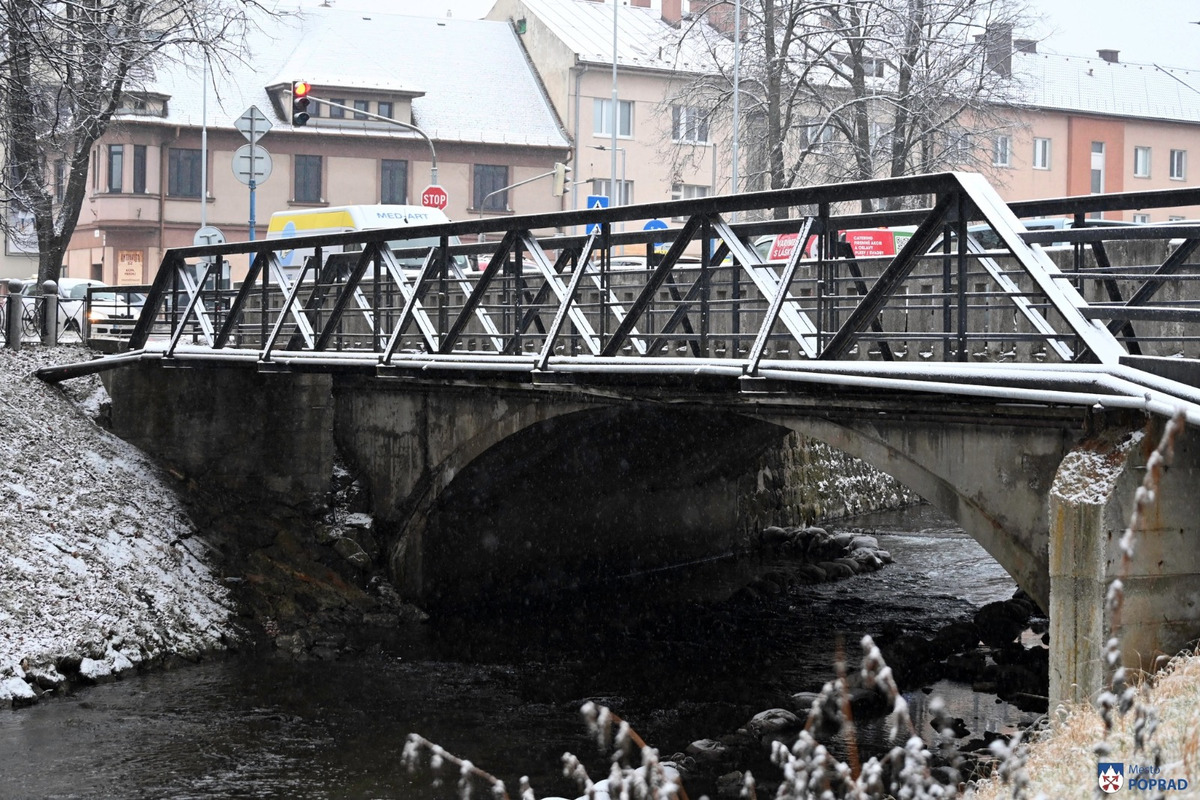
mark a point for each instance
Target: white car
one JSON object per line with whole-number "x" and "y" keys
{"x": 72, "y": 298}
{"x": 113, "y": 311}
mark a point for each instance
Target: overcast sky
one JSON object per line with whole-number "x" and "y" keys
{"x": 1144, "y": 31}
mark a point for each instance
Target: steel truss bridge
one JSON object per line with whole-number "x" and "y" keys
{"x": 974, "y": 305}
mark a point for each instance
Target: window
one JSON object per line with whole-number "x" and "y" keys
{"x": 489, "y": 192}
{"x": 308, "y": 179}
{"x": 334, "y": 111}
{"x": 393, "y": 181}
{"x": 1178, "y": 165}
{"x": 1141, "y": 219}
{"x": 1141, "y": 162}
{"x": 1175, "y": 218}
{"x": 1098, "y": 169}
{"x": 815, "y": 134}
{"x": 684, "y": 191}
{"x": 183, "y": 172}
{"x": 689, "y": 124}
{"x": 1002, "y": 152}
{"x": 139, "y": 169}
{"x": 602, "y": 117}
{"x": 624, "y": 191}
{"x": 116, "y": 166}
{"x": 359, "y": 107}
{"x": 958, "y": 147}
{"x": 1041, "y": 153}
{"x": 385, "y": 108}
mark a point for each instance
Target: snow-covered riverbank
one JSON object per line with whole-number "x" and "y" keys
{"x": 100, "y": 570}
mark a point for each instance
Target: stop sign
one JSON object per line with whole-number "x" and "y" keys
{"x": 434, "y": 196}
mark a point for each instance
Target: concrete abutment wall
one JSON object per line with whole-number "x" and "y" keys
{"x": 1090, "y": 508}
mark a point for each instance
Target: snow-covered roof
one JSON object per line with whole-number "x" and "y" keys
{"x": 469, "y": 79}
{"x": 1096, "y": 86}
{"x": 643, "y": 39}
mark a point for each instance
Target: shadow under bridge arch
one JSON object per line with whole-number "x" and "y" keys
{"x": 588, "y": 496}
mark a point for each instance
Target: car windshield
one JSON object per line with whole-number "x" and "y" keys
{"x": 414, "y": 261}
{"x": 133, "y": 298}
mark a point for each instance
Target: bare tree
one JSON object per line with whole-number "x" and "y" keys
{"x": 834, "y": 90}
{"x": 66, "y": 67}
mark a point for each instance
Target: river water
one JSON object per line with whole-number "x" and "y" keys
{"x": 671, "y": 652}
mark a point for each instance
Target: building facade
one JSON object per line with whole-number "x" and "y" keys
{"x": 1089, "y": 125}
{"x": 573, "y": 44}
{"x": 170, "y": 162}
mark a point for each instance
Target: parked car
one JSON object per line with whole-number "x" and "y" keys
{"x": 72, "y": 297}
{"x": 113, "y": 311}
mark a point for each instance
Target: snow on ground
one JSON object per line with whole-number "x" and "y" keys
{"x": 100, "y": 569}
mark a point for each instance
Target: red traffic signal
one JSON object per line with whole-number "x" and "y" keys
{"x": 300, "y": 101}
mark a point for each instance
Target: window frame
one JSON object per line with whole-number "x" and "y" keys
{"x": 361, "y": 108}
{"x": 601, "y": 186}
{"x": 115, "y": 163}
{"x": 484, "y": 178}
{"x": 393, "y": 165}
{"x": 689, "y": 124}
{"x": 689, "y": 191}
{"x": 334, "y": 111}
{"x": 1178, "y": 170}
{"x": 1042, "y": 150}
{"x": 183, "y": 172}
{"x": 381, "y": 105}
{"x": 1146, "y": 166}
{"x": 304, "y": 176}
{"x": 139, "y": 169}
{"x": 602, "y": 117}
{"x": 1002, "y": 150}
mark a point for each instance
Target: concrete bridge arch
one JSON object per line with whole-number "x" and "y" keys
{"x": 1010, "y": 475}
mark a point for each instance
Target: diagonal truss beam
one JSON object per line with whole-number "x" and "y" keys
{"x": 566, "y": 306}
{"x": 763, "y": 275}
{"x": 1048, "y": 278}
{"x": 412, "y": 305}
{"x": 1114, "y": 296}
{"x": 474, "y": 296}
{"x": 893, "y": 276}
{"x": 785, "y": 282}
{"x": 238, "y": 309}
{"x": 566, "y": 295}
{"x": 1148, "y": 289}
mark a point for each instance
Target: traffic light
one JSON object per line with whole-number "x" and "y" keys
{"x": 560, "y": 178}
{"x": 300, "y": 101}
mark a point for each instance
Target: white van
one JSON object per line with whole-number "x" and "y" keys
{"x": 345, "y": 219}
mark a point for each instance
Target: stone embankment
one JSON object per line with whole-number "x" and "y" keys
{"x": 1002, "y": 651}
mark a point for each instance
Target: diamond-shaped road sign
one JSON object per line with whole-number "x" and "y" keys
{"x": 253, "y": 124}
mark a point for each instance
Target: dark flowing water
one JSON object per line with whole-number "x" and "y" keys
{"x": 669, "y": 652}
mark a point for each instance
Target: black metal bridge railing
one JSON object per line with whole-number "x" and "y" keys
{"x": 554, "y": 293}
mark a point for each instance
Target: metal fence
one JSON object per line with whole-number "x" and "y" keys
{"x": 520, "y": 292}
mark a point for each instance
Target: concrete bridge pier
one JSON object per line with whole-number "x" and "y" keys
{"x": 1091, "y": 500}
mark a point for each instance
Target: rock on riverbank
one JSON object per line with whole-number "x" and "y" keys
{"x": 100, "y": 567}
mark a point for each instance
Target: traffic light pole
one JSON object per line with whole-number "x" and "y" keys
{"x": 405, "y": 125}
{"x": 489, "y": 195}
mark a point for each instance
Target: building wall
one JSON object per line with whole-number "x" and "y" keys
{"x": 1069, "y": 173}
{"x": 121, "y": 236}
